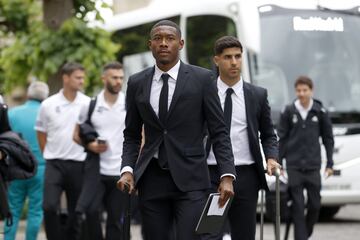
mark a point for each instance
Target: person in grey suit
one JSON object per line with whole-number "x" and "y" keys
{"x": 247, "y": 116}
{"x": 174, "y": 102}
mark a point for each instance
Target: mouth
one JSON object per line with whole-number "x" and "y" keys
{"x": 164, "y": 52}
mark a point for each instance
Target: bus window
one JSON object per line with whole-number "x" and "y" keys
{"x": 202, "y": 32}
{"x": 135, "y": 40}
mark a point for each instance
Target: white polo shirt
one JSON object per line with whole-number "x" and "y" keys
{"x": 57, "y": 118}
{"x": 109, "y": 123}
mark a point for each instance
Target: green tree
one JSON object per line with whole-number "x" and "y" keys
{"x": 39, "y": 48}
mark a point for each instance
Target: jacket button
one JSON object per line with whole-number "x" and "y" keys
{"x": 165, "y": 132}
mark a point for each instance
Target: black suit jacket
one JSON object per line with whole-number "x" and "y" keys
{"x": 195, "y": 103}
{"x": 259, "y": 127}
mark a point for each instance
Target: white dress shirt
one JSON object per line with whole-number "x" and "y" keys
{"x": 109, "y": 123}
{"x": 157, "y": 84}
{"x": 303, "y": 111}
{"x": 238, "y": 131}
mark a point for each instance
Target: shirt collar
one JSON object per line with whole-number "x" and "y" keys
{"x": 222, "y": 86}
{"x": 65, "y": 100}
{"x": 173, "y": 72}
{"x": 32, "y": 102}
{"x": 300, "y": 107}
{"x": 101, "y": 99}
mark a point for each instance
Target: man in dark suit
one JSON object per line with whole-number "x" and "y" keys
{"x": 247, "y": 113}
{"x": 174, "y": 102}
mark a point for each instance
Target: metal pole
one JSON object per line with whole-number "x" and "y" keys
{"x": 262, "y": 215}
{"x": 277, "y": 224}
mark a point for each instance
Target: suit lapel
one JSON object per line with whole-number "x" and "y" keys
{"x": 249, "y": 100}
{"x": 180, "y": 83}
{"x": 147, "y": 90}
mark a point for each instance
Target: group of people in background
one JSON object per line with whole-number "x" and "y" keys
{"x": 179, "y": 133}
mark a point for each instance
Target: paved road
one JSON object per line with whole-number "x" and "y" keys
{"x": 345, "y": 226}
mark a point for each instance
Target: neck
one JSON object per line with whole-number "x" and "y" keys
{"x": 166, "y": 67}
{"x": 305, "y": 104}
{"x": 69, "y": 94}
{"x": 230, "y": 81}
{"x": 110, "y": 98}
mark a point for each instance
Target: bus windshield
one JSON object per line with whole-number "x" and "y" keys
{"x": 320, "y": 44}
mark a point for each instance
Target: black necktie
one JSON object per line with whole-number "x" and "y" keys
{"x": 163, "y": 101}
{"x": 228, "y": 108}
{"x": 163, "y": 109}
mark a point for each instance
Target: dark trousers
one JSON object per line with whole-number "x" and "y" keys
{"x": 165, "y": 208}
{"x": 111, "y": 199}
{"x": 310, "y": 181}
{"x": 67, "y": 176}
{"x": 242, "y": 213}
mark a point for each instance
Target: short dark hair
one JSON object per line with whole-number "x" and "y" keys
{"x": 70, "y": 67}
{"x": 112, "y": 65}
{"x": 166, "y": 23}
{"x": 226, "y": 42}
{"x": 305, "y": 81}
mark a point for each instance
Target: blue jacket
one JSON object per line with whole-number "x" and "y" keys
{"x": 22, "y": 120}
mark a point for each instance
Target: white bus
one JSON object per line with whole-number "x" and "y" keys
{"x": 282, "y": 39}
{"x": 319, "y": 39}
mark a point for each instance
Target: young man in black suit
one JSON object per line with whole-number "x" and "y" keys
{"x": 247, "y": 113}
{"x": 174, "y": 102}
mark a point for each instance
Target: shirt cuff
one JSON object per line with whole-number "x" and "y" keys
{"x": 126, "y": 169}
{"x": 228, "y": 175}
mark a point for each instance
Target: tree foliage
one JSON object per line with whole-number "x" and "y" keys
{"x": 16, "y": 15}
{"x": 39, "y": 51}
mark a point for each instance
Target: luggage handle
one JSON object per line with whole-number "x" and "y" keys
{"x": 277, "y": 174}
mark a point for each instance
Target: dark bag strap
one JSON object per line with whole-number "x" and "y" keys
{"x": 91, "y": 109}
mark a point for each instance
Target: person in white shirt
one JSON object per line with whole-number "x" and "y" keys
{"x": 247, "y": 116}
{"x": 55, "y": 125}
{"x": 108, "y": 119}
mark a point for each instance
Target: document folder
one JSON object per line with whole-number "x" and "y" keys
{"x": 213, "y": 217}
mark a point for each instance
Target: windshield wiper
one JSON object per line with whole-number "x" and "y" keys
{"x": 353, "y": 12}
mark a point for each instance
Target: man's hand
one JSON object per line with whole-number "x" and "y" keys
{"x": 225, "y": 189}
{"x": 95, "y": 147}
{"x": 126, "y": 178}
{"x": 329, "y": 172}
{"x": 271, "y": 166}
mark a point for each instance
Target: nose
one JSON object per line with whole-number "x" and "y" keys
{"x": 233, "y": 60}
{"x": 163, "y": 42}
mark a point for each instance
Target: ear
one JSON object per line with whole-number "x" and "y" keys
{"x": 65, "y": 78}
{"x": 216, "y": 60}
{"x": 181, "y": 44}
{"x": 149, "y": 44}
{"x": 103, "y": 78}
